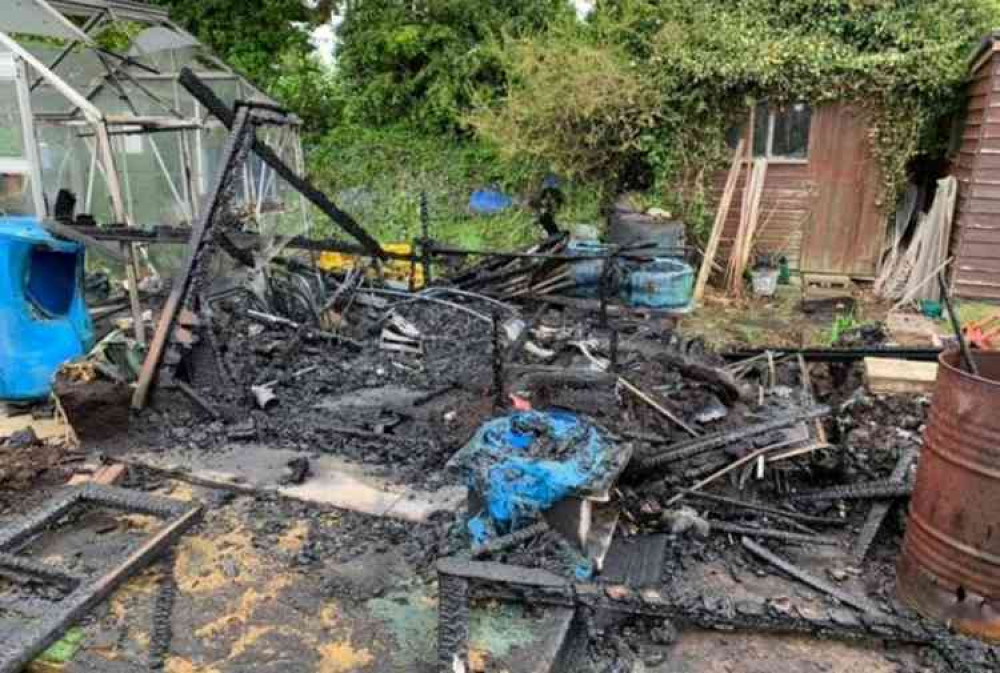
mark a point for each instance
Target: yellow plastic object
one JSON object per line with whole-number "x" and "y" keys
{"x": 394, "y": 269}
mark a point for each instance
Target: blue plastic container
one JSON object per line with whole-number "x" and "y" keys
{"x": 661, "y": 284}
{"x": 587, "y": 274}
{"x": 43, "y": 318}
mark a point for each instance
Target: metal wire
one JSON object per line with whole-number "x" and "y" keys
{"x": 411, "y": 299}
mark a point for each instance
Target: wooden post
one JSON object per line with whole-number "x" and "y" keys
{"x": 720, "y": 222}
{"x": 121, "y": 214}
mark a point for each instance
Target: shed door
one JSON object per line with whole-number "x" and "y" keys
{"x": 844, "y": 235}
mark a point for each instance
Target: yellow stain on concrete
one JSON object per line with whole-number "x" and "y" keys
{"x": 179, "y": 490}
{"x": 477, "y": 661}
{"x": 179, "y": 665}
{"x": 342, "y": 657}
{"x": 294, "y": 538}
{"x": 254, "y": 634}
{"x": 201, "y": 561}
{"x": 140, "y": 523}
{"x": 329, "y": 616}
{"x": 245, "y": 608}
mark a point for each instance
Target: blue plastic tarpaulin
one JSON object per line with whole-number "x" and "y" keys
{"x": 524, "y": 463}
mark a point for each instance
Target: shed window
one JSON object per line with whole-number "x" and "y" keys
{"x": 790, "y": 131}
{"x": 779, "y": 132}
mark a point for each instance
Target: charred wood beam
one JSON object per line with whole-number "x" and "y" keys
{"x": 66, "y": 231}
{"x": 217, "y": 204}
{"x": 38, "y": 634}
{"x": 874, "y": 490}
{"x": 734, "y": 503}
{"x": 164, "y": 234}
{"x": 698, "y": 610}
{"x": 838, "y": 354}
{"x": 204, "y": 95}
{"x": 817, "y": 583}
{"x": 720, "y": 380}
{"x": 772, "y": 534}
{"x": 510, "y": 540}
{"x": 701, "y": 445}
{"x": 879, "y": 510}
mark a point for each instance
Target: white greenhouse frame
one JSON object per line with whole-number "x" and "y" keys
{"x": 90, "y": 114}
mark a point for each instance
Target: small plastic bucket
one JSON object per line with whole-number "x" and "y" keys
{"x": 765, "y": 281}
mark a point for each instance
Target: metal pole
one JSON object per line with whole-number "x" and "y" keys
{"x": 956, "y": 324}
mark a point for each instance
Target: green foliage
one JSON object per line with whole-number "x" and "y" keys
{"x": 378, "y": 175}
{"x": 842, "y": 324}
{"x": 903, "y": 61}
{"x": 251, "y": 36}
{"x": 268, "y": 41}
{"x": 578, "y": 108}
{"x": 118, "y": 35}
{"x": 419, "y": 62}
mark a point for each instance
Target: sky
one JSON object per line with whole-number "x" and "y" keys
{"x": 324, "y": 37}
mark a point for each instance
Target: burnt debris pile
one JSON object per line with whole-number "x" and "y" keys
{"x": 607, "y": 465}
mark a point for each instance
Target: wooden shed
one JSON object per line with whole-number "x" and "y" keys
{"x": 819, "y": 200}
{"x": 976, "y": 166}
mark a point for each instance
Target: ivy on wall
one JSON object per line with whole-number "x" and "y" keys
{"x": 903, "y": 61}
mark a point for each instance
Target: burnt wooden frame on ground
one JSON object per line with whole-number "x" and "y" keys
{"x": 84, "y": 592}
{"x": 461, "y": 580}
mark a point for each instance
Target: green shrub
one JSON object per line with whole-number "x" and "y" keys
{"x": 577, "y": 108}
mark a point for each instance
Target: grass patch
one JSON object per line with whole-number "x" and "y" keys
{"x": 378, "y": 175}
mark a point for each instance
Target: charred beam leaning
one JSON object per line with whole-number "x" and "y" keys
{"x": 764, "y": 509}
{"x": 215, "y": 210}
{"x": 204, "y": 95}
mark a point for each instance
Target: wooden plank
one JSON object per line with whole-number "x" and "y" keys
{"x": 749, "y": 220}
{"x": 887, "y": 376}
{"x": 720, "y": 222}
{"x": 45, "y": 428}
{"x": 107, "y": 475}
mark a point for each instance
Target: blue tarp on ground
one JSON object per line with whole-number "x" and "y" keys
{"x": 523, "y": 464}
{"x": 43, "y": 318}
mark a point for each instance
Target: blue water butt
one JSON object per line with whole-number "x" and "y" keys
{"x": 43, "y": 318}
{"x": 664, "y": 283}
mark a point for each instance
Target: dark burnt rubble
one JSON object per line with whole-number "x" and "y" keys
{"x": 610, "y": 460}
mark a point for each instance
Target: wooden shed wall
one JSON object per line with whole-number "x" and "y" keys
{"x": 785, "y": 205}
{"x": 830, "y": 197}
{"x": 976, "y": 239}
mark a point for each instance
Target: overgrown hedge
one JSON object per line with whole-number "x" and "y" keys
{"x": 661, "y": 81}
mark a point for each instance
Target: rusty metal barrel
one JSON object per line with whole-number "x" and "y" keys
{"x": 950, "y": 566}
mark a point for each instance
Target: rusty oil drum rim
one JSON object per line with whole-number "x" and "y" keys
{"x": 987, "y": 387}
